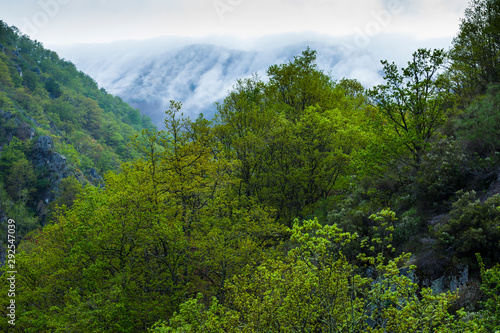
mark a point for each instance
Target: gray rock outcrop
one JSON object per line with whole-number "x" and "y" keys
{"x": 52, "y": 163}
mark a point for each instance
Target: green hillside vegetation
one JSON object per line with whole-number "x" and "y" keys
{"x": 307, "y": 204}
{"x": 56, "y": 128}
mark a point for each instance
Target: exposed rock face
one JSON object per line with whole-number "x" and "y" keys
{"x": 22, "y": 130}
{"x": 52, "y": 167}
{"x": 494, "y": 187}
{"x": 44, "y": 155}
{"x": 449, "y": 282}
{"x": 95, "y": 178}
{"x": 6, "y": 115}
{"x": 51, "y": 162}
{"x": 5, "y": 132}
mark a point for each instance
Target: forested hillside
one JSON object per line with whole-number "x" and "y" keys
{"x": 307, "y": 204}
{"x": 58, "y": 131}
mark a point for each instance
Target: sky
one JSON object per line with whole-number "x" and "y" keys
{"x": 67, "y": 22}
{"x": 116, "y": 41}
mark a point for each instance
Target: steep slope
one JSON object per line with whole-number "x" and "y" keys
{"x": 58, "y": 130}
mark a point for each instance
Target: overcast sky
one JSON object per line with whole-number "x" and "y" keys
{"x": 55, "y": 22}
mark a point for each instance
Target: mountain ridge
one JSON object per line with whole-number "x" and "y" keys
{"x": 198, "y": 75}
{"x": 200, "y": 72}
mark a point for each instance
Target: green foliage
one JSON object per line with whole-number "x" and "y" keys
{"x": 11, "y": 154}
{"x": 68, "y": 191}
{"x": 78, "y": 113}
{"x": 71, "y": 101}
{"x": 193, "y": 317}
{"x": 352, "y": 211}
{"x": 17, "y": 173}
{"x": 490, "y": 316}
{"x": 20, "y": 182}
{"x": 41, "y": 94}
{"x": 30, "y": 80}
{"x": 445, "y": 169}
{"x": 5, "y": 78}
{"x": 200, "y": 227}
{"x": 19, "y": 212}
{"x": 107, "y": 242}
{"x": 473, "y": 227}
{"x": 413, "y": 103}
{"x": 122, "y": 257}
{"x": 32, "y": 104}
{"x": 381, "y": 240}
{"x": 53, "y": 88}
{"x": 478, "y": 126}
{"x": 295, "y": 138}
{"x": 300, "y": 84}
{"x": 315, "y": 289}
{"x": 476, "y": 49}
{"x": 7, "y": 34}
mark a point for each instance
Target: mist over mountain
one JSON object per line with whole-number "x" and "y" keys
{"x": 315, "y": 201}
{"x": 148, "y": 74}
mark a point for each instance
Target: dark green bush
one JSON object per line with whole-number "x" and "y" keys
{"x": 479, "y": 125}
{"x": 473, "y": 227}
{"x": 444, "y": 170}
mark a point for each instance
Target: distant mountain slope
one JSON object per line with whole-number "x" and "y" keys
{"x": 197, "y": 75}
{"x": 148, "y": 74}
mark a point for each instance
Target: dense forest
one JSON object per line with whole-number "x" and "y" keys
{"x": 57, "y": 130}
{"x": 307, "y": 204}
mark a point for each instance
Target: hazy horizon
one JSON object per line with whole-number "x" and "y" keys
{"x": 119, "y": 43}
{"x": 69, "y": 22}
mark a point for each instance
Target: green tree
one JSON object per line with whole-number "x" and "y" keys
{"x": 68, "y": 191}
{"x": 29, "y": 80}
{"x": 111, "y": 133}
{"x": 295, "y": 137}
{"x": 490, "y": 316}
{"x": 476, "y": 49}
{"x": 11, "y": 153}
{"x": 243, "y": 124}
{"x": 413, "y": 102}
{"x": 315, "y": 289}
{"x": 299, "y": 84}
{"x": 5, "y": 78}
{"x": 21, "y": 180}
{"x": 19, "y": 212}
{"x": 53, "y": 88}
{"x": 478, "y": 126}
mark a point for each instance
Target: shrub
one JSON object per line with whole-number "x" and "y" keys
{"x": 491, "y": 287}
{"x": 479, "y": 125}
{"x": 443, "y": 171}
{"x": 473, "y": 227}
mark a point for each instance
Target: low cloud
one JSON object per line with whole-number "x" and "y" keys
{"x": 199, "y": 72}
